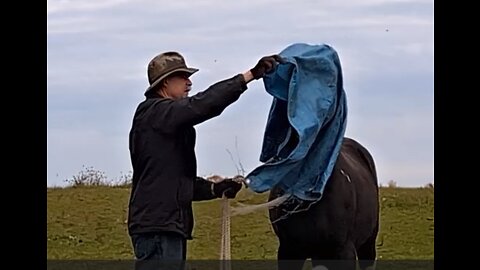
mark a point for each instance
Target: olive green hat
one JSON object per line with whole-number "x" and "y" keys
{"x": 165, "y": 64}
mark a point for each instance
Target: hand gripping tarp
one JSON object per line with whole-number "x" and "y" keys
{"x": 306, "y": 122}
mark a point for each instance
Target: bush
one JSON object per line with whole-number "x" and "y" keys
{"x": 392, "y": 184}
{"x": 88, "y": 176}
{"x": 125, "y": 180}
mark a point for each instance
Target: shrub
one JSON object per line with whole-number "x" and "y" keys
{"x": 125, "y": 180}
{"x": 392, "y": 184}
{"x": 88, "y": 176}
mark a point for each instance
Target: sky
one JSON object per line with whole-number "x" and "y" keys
{"x": 98, "y": 51}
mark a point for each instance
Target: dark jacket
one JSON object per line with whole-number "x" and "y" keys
{"x": 161, "y": 143}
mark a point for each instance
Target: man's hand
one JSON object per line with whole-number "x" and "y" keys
{"x": 265, "y": 65}
{"x": 228, "y": 187}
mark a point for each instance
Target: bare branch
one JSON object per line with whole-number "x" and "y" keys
{"x": 242, "y": 172}
{"x": 231, "y": 157}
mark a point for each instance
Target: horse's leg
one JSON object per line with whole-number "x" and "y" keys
{"x": 342, "y": 257}
{"x": 290, "y": 257}
{"x": 367, "y": 253}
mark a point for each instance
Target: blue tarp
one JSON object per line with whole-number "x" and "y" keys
{"x": 306, "y": 123}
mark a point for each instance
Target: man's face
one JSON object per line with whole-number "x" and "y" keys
{"x": 177, "y": 85}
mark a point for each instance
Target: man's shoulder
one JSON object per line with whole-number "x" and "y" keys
{"x": 149, "y": 102}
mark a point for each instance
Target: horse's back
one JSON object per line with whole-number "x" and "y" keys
{"x": 347, "y": 211}
{"x": 356, "y": 156}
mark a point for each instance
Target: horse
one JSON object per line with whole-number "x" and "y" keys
{"x": 339, "y": 229}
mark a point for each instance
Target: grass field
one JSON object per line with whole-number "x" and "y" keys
{"x": 89, "y": 223}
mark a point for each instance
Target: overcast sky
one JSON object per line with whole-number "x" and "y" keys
{"x": 98, "y": 51}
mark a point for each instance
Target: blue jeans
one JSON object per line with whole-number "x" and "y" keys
{"x": 153, "y": 249}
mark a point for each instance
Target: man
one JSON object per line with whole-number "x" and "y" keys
{"x": 162, "y": 142}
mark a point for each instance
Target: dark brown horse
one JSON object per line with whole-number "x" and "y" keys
{"x": 342, "y": 227}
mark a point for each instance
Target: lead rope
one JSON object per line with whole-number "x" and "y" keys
{"x": 225, "y": 254}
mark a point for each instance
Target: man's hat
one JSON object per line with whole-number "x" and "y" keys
{"x": 165, "y": 64}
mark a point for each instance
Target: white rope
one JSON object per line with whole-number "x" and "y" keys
{"x": 244, "y": 209}
{"x": 225, "y": 255}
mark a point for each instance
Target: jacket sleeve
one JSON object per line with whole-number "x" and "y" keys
{"x": 171, "y": 114}
{"x": 202, "y": 189}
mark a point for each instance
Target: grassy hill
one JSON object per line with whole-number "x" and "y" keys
{"x": 90, "y": 223}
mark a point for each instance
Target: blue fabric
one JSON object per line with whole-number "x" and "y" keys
{"x": 306, "y": 123}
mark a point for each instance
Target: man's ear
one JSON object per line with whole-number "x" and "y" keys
{"x": 162, "y": 85}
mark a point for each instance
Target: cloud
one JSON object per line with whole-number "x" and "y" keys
{"x": 65, "y": 6}
{"x": 97, "y": 52}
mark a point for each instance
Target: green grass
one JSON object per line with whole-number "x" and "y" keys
{"x": 90, "y": 223}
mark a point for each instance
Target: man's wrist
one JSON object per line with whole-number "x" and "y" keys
{"x": 248, "y": 76}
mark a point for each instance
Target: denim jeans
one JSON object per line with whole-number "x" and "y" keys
{"x": 163, "y": 250}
